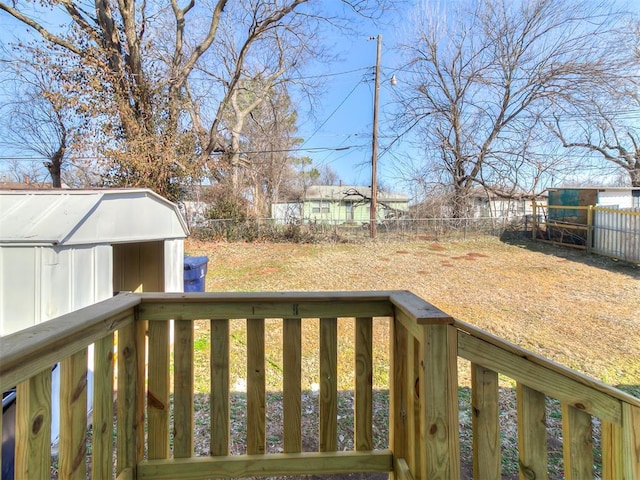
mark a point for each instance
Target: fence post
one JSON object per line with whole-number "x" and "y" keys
{"x": 590, "y": 218}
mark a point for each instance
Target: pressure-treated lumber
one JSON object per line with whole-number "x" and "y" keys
{"x": 577, "y": 443}
{"x": 399, "y": 391}
{"x": 33, "y": 427}
{"x": 195, "y": 306}
{"x": 130, "y": 413}
{"x": 545, "y": 380}
{"x": 158, "y": 391}
{"x": 102, "y": 417}
{"x": 364, "y": 387}
{"x": 183, "y": 389}
{"x": 73, "y": 416}
{"x": 486, "y": 429}
{"x": 220, "y": 410}
{"x": 238, "y": 466}
{"x": 292, "y": 384}
{"x": 438, "y": 392}
{"x": 532, "y": 433}
{"x": 256, "y": 396}
{"x": 328, "y": 384}
{"x": 29, "y": 351}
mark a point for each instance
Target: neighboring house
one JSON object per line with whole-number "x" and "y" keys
{"x": 502, "y": 204}
{"x": 482, "y": 203}
{"x": 340, "y": 204}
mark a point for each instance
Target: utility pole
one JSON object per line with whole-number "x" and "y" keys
{"x": 374, "y": 145}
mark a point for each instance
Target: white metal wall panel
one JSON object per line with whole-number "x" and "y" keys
{"x": 619, "y": 198}
{"x": 40, "y": 283}
{"x": 19, "y": 298}
{"x": 55, "y": 283}
{"x": 174, "y": 265}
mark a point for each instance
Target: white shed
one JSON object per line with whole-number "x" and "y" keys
{"x": 61, "y": 250}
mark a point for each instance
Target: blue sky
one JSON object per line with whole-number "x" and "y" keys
{"x": 344, "y": 113}
{"x": 345, "y": 119}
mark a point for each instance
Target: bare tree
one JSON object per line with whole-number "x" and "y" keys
{"x": 603, "y": 121}
{"x": 485, "y": 78}
{"x": 36, "y": 119}
{"x": 139, "y": 83}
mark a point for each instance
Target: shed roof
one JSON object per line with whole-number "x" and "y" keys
{"x": 82, "y": 217}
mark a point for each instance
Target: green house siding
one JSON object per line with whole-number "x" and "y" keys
{"x": 347, "y": 211}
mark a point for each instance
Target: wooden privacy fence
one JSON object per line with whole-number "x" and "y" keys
{"x": 606, "y": 231}
{"x": 154, "y": 424}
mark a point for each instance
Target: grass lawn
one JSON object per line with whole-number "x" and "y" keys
{"x": 579, "y": 310}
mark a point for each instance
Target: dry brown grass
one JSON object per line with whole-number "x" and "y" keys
{"x": 579, "y": 310}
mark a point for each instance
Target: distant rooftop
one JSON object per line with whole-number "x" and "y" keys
{"x": 350, "y": 192}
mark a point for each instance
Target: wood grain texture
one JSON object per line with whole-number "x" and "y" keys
{"x": 577, "y": 443}
{"x": 439, "y": 402}
{"x": 102, "y": 433}
{"x": 537, "y": 360}
{"x": 183, "y": 389}
{"x": 37, "y": 348}
{"x": 630, "y": 441}
{"x": 33, "y": 427}
{"x": 364, "y": 384}
{"x": 611, "y": 441}
{"x": 532, "y": 433}
{"x": 486, "y": 429}
{"x": 256, "y": 396}
{"x": 541, "y": 378}
{"x": 292, "y": 385}
{"x": 399, "y": 390}
{"x": 219, "y": 357}
{"x": 73, "y": 417}
{"x": 240, "y": 466}
{"x": 328, "y": 384}
{"x": 158, "y": 391}
{"x": 128, "y": 408}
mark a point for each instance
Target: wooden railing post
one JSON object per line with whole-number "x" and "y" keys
{"x": 73, "y": 416}
{"x": 486, "y": 429}
{"x": 102, "y": 435}
{"x": 630, "y": 441}
{"x": 439, "y": 402}
{"x": 158, "y": 391}
{"x": 130, "y": 407}
{"x": 33, "y": 427}
{"x": 532, "y": 433}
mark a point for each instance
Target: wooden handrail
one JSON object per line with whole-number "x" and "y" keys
{"x": 29, "y": 351}
{"x": 423, "y": 414}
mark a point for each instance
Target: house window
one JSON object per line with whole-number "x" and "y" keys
{"x": 318, "y": 207}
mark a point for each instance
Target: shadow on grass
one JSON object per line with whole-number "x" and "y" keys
{"x": 507, "y": 421}
{"x": 523, "y": 240}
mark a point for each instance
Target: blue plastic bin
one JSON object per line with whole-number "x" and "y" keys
{"x": 195, "y": 273}
{"x": 8, "y": 433}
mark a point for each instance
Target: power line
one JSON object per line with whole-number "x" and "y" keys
{"x": 333, "y": 113}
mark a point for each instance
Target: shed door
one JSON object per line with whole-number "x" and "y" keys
{"x": 138, "y": 267}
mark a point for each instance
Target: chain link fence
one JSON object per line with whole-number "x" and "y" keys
{"x": 430, "y": 229}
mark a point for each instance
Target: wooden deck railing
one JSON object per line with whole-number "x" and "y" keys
{"x": 154, "y": 426}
